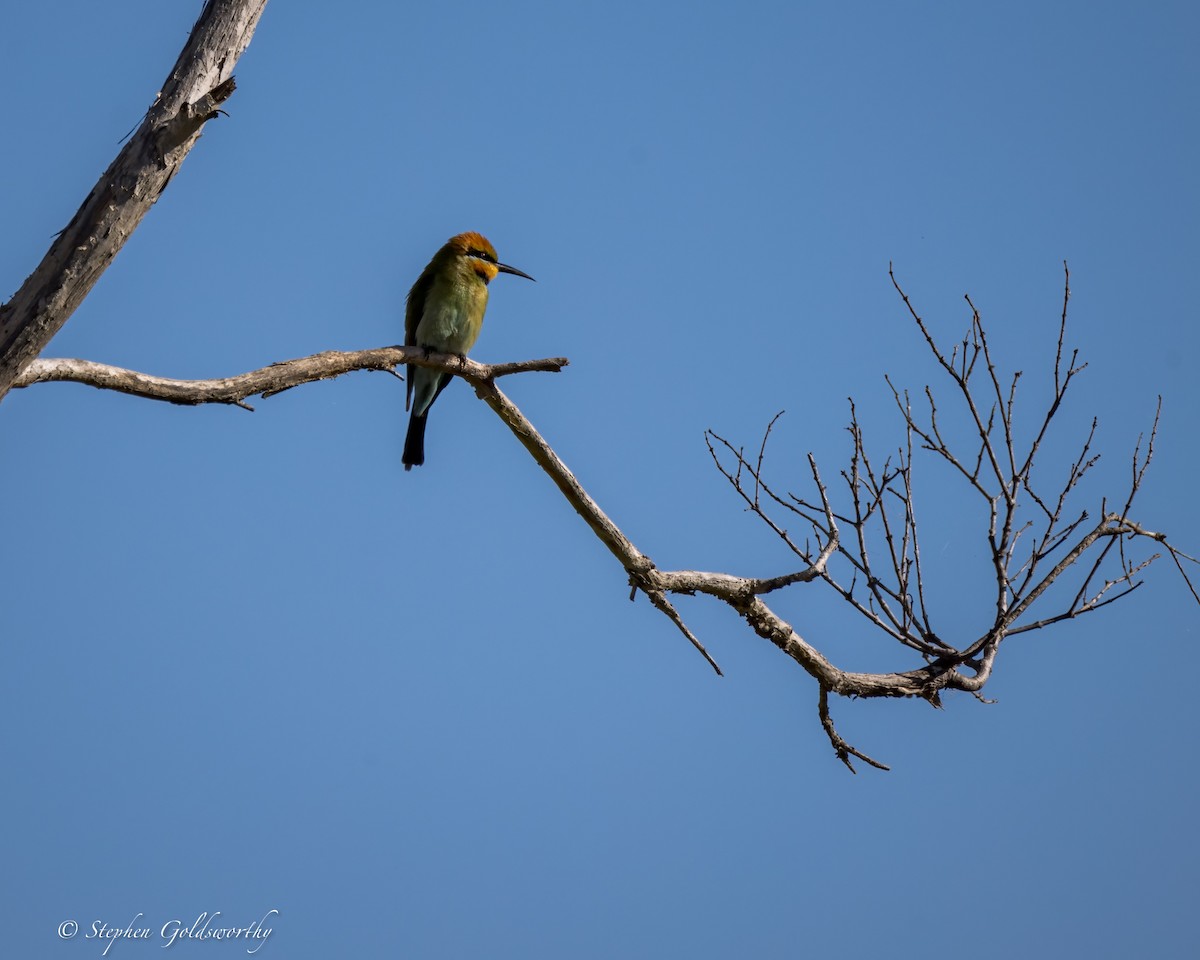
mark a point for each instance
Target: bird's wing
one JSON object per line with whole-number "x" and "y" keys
{"x": 414, "y": 307}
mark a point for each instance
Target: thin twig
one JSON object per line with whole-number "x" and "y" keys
{"x": 843, "y": 749}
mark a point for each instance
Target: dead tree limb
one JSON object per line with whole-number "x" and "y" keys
{"x": 200, "y": 81}
{"x": 867, "y": 550}
{"x": 266, "y": 381}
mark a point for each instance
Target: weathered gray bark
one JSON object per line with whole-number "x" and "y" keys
{"x": 269, "y": 380}
{"x": 198, "y": 84}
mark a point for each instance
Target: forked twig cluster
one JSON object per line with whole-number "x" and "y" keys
{"x": 1035, "y": 539}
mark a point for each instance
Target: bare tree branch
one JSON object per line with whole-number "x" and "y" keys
{"x": 200, "y": 81}
{"x": 742, "y": 593}
{"x": 882, "y": 549}
{"x": 269, "y": 380}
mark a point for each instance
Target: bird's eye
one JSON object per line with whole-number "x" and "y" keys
{"x": 483, "y": 255}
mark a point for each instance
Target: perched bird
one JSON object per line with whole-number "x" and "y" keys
{"x": 444, "y": 314}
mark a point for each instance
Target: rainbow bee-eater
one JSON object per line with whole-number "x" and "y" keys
{"x": 444, "y": 314}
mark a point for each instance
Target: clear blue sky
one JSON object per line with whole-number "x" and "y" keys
{"x": 249, "y": 664}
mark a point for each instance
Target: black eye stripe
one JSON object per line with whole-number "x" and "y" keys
{"x": 482, "y": 255}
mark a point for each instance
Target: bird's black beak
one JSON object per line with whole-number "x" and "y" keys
{"x": 505, "y": 268}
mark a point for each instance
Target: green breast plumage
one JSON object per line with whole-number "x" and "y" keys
{"x": 453, "y": 312}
